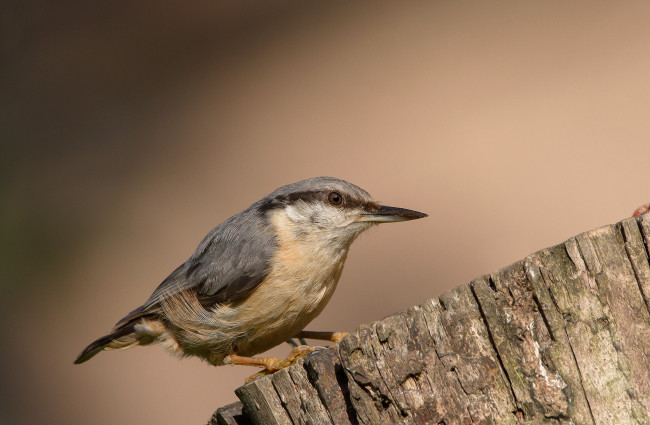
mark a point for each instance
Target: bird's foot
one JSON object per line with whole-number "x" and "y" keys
{"x": 323, "y": 336}
{"x": 298, "y": 353}
{"x": 338, "y": 336}
{"x": 271, "y": 365}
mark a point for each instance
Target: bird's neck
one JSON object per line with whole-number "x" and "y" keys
{"x": 309, "y": 246}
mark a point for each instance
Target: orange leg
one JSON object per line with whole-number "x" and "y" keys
{"x": 270, "y": 364}
{"x": 267, "y": 363}
{"x": 323, "y": 336}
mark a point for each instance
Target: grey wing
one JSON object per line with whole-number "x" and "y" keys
{"x": 231, "y": 261}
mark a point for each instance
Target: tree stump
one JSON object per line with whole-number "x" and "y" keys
{"x": 561, "y": 337}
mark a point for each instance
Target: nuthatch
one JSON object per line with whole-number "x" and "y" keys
{"x": 257, "y": 279}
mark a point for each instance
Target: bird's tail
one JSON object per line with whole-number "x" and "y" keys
{"x": 122, "y": 336}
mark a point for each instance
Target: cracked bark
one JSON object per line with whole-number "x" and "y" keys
{"x": 561, "y": 337}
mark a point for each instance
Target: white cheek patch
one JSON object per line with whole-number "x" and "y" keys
{"x": 294, "y": 214}
{"x": 314, "y": 214}
{"x": 327, "y": 216}
{"x": 319, "y": 216}
{"x": 331, "y": 217}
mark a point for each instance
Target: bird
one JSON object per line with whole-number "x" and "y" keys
{"x": 257, "y": 279}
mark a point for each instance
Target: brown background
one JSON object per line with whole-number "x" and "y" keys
{"x": 129, "y": 130}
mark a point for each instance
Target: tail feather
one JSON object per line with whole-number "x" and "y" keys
{"x": 122, "y": 337}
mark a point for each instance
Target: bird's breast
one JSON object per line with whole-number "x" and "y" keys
{"x": 282, "y": 305}
{"x": 303, "y": 276}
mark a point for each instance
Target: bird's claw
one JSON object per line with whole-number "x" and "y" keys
{"x": 338, "y": 336}
{"x": 273, "y": 364}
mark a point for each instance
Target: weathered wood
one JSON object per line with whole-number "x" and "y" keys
{"x": 561, "y": 337}
{"x": 230, "y": 415}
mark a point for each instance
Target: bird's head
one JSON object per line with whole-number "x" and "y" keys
{"x": 326, "y": 210}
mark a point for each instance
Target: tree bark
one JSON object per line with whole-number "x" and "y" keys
{"x": 561, "y": 337}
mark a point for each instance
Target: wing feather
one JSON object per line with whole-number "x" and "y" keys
{"x": 230, "y": 262}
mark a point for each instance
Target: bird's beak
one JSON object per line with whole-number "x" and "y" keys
{"x": 388, "y": 214}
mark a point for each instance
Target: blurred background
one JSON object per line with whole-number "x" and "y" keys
{"x": 129, "y": 129}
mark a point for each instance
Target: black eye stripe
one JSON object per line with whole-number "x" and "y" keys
{"x": 308, "y": 196}
{"x": 313, "y": 196}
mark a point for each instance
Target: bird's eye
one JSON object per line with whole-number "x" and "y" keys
{"x": 335, "y": 198}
